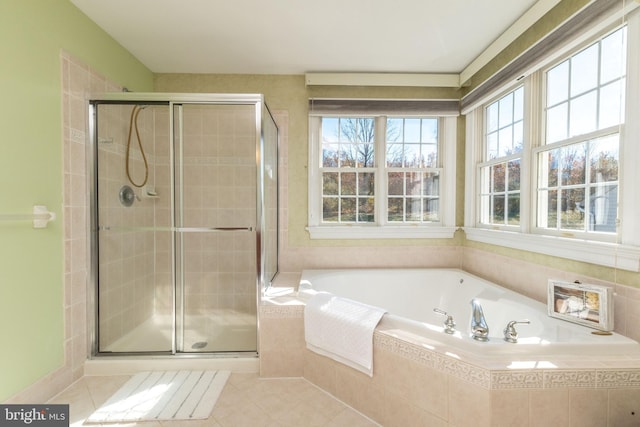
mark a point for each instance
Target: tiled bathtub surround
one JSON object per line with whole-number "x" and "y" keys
{"x": 416, "y": 386}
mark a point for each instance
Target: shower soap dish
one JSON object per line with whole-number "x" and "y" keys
{"x": 149, "y": 193}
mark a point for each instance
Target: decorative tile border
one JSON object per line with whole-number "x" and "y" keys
{"x": 508, "y": 380}
{"x": 618, "y": 378}
{"x": 573, "y": 378}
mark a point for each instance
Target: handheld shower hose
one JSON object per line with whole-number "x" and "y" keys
{"x": 133, "y": 124}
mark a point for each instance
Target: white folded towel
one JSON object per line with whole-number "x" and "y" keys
{"x": 342, "y": 329}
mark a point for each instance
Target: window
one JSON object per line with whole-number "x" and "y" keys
{"x": 500, "y": 169}
{"x": 546, "y": 151}
{"x": 577, "y": 191}
{"x": 381, "y": 176}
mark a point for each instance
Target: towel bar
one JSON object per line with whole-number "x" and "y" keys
{"x": 40, "y": 216}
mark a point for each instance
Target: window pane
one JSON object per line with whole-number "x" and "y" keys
{"x": 492, "y": 146}
{"x": 330, "y": 130}
{"x": 412, "y": 208}
{"x": 603, "y": 208}
{"x": 348, "y": 184}
{"x": 365, "y": 209}
{"x": 412, "y": 130}
{"x": 412, "y": 155}
{"x": 584, "y": 70}
{"x": 430, "y": 130}
{"x": 431, "y": 209}
{"x": 612, "y": 104}
{"x": 366, "y": 184}
{"x": 583, "y": 117}
{"x": 348, "y": 209}
{"x": 395, "y": 209}
{"x": 330, "y": 155}
{"x": 330, "y": 184}
{"x": 498, "y": 209}
{"x": 557, "y": 123}
{"x": 394, "y": 155}
{"x": 505, "y": 110}
{"x": 573, "y": 209}
{"x": 558, "y": 83}
{"x": 394, "y": 130}
{"x": 492, "y": 117}
{"x": 548, "y": 201}
{"x": 413, "y": 184}
{"x": 497, "y": 178}
{"x": 604, "y": 159}
{"x": 365, "y": 156}
{"x": 513, "y": 206}
{"x": 514, "y": 175}
{"x": 518, "y": 137}
{"x": 518, "y": 104}
{"x": 395, "y": 183}
{"x": 574, "y": 164}
{"x": 613, "y": 61}
{"x": 431, "y": 184}
{"x": 330, "y": 209}
{"x": 430, "y": 155}
{"x": 549, "y": 161}
{"x": 505, "y": 138}
{"x": 347, "y": 155}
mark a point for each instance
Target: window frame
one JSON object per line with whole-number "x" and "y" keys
{"x": 381, "y": 228}
{"x": 623, "y": 250}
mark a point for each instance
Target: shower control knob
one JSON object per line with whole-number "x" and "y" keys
{"x": 127, "y": 196}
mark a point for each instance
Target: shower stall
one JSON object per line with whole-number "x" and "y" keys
{"x": 184, "y": 222}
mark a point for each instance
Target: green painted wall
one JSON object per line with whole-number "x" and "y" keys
{"x": 32, "y": 33}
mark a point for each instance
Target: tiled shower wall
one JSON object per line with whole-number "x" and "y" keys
{"x": 78, "y": 80}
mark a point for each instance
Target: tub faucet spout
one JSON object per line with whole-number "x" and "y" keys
{"x": 479, "y": 328}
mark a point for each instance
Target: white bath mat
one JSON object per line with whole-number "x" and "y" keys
{"x": 166, "y": 395}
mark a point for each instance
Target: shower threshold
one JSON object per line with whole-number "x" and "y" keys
{"x": 130, "y": 365}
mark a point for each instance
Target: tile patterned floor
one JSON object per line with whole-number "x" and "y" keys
{"x": 246, "y": 400}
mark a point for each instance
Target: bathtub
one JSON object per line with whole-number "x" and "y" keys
{"x": 410, "y": 295}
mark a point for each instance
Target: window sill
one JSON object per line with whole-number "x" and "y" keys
{"x": 600, "y": 253}
{"x": 380, "y": 232}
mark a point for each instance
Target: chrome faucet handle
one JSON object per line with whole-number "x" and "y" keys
{"x": 510, "y": 333}
{"x": 479, "y": 327}
{"x": 449, "y": 324}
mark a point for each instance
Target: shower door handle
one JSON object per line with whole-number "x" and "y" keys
{"x": 211, "y": 229}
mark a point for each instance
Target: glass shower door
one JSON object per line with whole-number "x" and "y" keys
{"x": 215, "y": 213}
{"x": 133, "y": 228}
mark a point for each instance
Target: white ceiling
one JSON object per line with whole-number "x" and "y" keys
{"x": 300, "y": 36}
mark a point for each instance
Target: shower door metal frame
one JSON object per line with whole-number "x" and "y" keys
{"x": 171, "y": 100}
